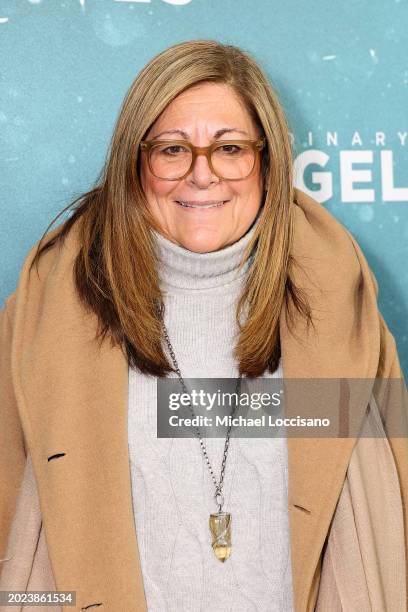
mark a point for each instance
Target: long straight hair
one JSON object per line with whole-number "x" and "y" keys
{"x": 116, "y": 268}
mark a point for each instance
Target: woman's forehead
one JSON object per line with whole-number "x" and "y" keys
{"x": 210, "y": 108}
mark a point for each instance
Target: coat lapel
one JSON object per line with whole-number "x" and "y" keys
{"x": 73, "y": 398}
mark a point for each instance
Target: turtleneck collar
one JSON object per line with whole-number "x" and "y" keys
{"x": 184, "y": 269}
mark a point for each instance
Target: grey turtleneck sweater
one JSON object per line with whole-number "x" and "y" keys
{"x": 172, "y": 489}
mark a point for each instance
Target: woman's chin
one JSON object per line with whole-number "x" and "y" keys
{"x": 202, "y": 242}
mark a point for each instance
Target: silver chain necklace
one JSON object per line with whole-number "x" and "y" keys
{"x": 219, "y": 522}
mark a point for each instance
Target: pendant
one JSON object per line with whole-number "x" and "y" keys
{"x": 220, "y": 526}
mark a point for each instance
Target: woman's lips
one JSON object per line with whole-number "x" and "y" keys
{"x": 204, "y": 205}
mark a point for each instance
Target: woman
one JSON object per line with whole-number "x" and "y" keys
{"x": 194, "y": 256}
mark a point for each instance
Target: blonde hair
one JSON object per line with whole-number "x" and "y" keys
{"x": 116, "y": 267}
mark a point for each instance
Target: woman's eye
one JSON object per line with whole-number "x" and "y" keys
{"x": 173, "y": 150}
{"x": 230, "y": 148}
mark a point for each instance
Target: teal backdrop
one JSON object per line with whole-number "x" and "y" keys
{"x": 339, "y": 68}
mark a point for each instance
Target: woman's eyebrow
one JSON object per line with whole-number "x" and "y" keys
{"x": 184, "y": 135}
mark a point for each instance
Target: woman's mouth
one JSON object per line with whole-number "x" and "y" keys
{"x": 202, "y": 205}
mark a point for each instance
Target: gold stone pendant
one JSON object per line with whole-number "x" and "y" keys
{"x": 220, "y": 526}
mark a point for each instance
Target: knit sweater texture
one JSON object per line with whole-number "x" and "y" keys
{"x": 172, "y": 489}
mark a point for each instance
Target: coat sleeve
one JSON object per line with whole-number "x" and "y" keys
{"x": 12, "y": 444}
{"x": 392, "y": 397}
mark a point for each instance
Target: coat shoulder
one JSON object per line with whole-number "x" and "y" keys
{"x": 316, "y": 224}
{"x": 57, "y": 258}
{"x": 323, "y": 244}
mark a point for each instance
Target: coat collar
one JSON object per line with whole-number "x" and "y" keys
{"x": 72, "y": 397}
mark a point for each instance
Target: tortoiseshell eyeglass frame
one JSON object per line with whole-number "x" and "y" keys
{"x": 255, "y": 145}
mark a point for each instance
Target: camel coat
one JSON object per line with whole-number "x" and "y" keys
{"x": 67, "y": 523}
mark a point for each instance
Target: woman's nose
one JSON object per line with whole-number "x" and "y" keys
{"x": 201, "y": 173}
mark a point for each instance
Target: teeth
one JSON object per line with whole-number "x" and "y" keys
{"x": 200, "y": 205}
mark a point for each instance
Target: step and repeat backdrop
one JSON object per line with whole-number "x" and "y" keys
{"x": 339, "y": 68}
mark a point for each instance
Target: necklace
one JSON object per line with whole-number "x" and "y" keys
{"x": 219, "y": 522}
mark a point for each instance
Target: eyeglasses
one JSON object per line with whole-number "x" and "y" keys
{"x": 172, "y": 160}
